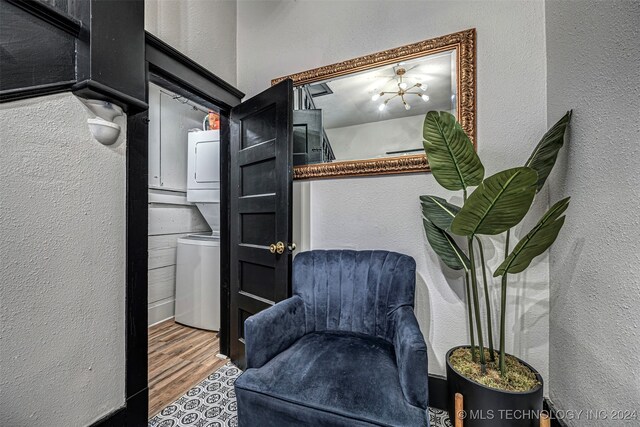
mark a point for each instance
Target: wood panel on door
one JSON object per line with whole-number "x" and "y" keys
{"x": 261, "y": 151}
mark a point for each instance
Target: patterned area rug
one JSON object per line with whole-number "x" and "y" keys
{"x": 212, "y": 403}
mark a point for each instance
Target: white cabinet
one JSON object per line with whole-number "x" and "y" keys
{"x": 170, "y": 120}
{"x": 154, "y": 135}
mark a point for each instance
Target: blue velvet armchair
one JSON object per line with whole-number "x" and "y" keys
{"x": 344, "y": 350}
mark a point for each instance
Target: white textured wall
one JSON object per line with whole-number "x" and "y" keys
{"x": 593, "y": 59}
{"x": 204, "y": 30}
{"x": 276, "y": 38}
{"x": 369, "y": 140}
{"x": 62, "y": 262}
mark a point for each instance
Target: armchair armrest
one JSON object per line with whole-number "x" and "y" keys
{"x": 411, "y": 357}
{"x": 273, "y": 330}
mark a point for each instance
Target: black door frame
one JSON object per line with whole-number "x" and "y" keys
{"x": 171, "y": 69}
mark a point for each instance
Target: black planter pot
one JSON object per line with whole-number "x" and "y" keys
{"x": 485, "y": 406}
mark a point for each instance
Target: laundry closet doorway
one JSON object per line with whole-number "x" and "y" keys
{"x": 184, "y": 296}
{"x": 179, "y": 76}
{"x": 158, "y": 214}
{"x": 184, "y": 229}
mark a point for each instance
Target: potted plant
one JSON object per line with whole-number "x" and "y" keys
{"x": 497, "y": 387}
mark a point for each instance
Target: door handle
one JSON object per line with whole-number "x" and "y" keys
{"x": 280, "y": 247}
{"x": 276, "y": 248}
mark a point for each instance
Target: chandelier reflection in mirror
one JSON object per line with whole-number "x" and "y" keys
{"x": 403, "y": 90}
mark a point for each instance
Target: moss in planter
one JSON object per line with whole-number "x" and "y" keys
{"x": 518, "y": 376}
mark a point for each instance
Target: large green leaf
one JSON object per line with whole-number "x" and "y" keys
{"x": 438, "y": 210}
{"x": 536, "y": 241}
{"x": 446, "y": 248}
{"x": 498, "y": 204}
{"x": 452, "y": 158}
{"x": 545, "y": 154}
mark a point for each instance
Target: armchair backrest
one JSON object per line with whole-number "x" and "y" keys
{"x": 353, "y": 291}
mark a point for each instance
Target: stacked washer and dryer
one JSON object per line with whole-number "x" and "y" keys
{"x": 198, "y": 255}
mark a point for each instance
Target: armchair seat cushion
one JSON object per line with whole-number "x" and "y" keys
{"x": 329, "y": 378}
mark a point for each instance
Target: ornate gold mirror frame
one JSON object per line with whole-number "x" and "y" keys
{"x": 464, "y": 43}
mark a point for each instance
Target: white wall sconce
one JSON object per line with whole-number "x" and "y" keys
{"x": 102, "y": 127}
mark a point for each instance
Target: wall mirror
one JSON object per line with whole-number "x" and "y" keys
{"x": 364, "y": 116}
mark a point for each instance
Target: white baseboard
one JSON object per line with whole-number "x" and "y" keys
{"x": 172, "y": 317}
{"x": 161, "y": 311}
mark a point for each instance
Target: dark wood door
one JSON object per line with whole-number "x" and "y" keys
{"x": 261, "y": 173}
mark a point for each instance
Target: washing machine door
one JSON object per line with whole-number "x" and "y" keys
{"x": 198, "y": 282}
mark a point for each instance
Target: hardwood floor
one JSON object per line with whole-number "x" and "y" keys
{"x": 179, "y": 358}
